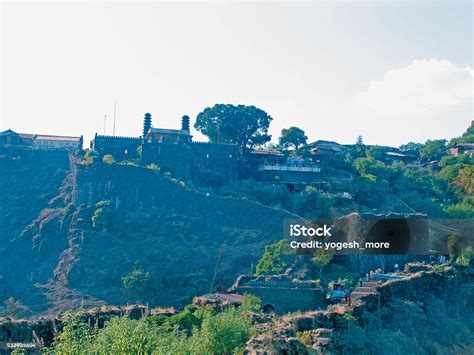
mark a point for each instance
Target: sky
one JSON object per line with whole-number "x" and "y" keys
{"x": 390, "y": 71}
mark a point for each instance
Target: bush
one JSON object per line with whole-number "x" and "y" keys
{"x": 465, "y": 258}
{"x": 108, "y": 159}
{"x": 90, "y": 155}
{"x": 153, "y": 167}
{"x": 75, "y": 336}
{"x": 136, "y": 282}
{"x": 103, "y": 215}
{"x": 206, "y": 332}
{"x": 223, "y": 333}
{"x": 251, "y": 303}
{"x": 272, "y": 260}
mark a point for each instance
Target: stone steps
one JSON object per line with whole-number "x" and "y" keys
{"x": 369, "y": 283}
{"x": 367, "y": 288}
{"x": 364, "y": 289}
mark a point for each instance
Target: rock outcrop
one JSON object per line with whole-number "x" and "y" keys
{"x": 321, "y": 328}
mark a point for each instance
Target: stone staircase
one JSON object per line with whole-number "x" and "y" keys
{"x": 367, "y": 288}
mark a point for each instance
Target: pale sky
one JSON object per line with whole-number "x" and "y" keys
{"x": 391, "y": 71}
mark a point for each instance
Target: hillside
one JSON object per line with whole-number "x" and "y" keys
{"x": 169, "y": 239}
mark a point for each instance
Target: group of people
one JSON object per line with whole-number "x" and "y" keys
{"x": 347, "y": 298}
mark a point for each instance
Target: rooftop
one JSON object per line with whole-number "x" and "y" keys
{"x": 465, "y": 145}
{"x": 267, "y": 152}
{"x": 46, "y": 137}
{"x": 7, "y": 132}
{"x": 401, "y": 155}
{"x": 57, "y": 138}
{"x": 178, "y": 132}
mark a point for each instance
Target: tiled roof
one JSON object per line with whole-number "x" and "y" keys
{"x": 7, "y": 132}
{"x": 267, "y": 152}
{"x": 57, "y": 138}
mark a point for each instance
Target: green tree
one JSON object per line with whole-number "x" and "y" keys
{"x": 465, "y": 180}
{"x": 433, "y": 149}
{"x": 136, "y": 282}
{"x": 467, "y": 137}
{"x": 377, "y": 152}
{"x": 272, "y": 260}
{"x": 411, "y": 148}
{"x": 292, "y": 137}
{"x": 246, "y": 126}
{"x": 321, "y": 259}
{"x": 251, "y": 303}
{"x": 311, "y": 203}
{"x": 223, "y": 333}
{"x": 75, "y": 336}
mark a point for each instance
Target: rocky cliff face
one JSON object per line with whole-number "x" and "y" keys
{"x": 30, "y": 189}
{"x": 53, "y": 255}
{"x": 324, "y": 331}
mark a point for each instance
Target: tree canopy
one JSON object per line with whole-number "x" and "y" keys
{"x": 273, "y": 259}
{"x": 246, "y": 126}
{"x": 433, "y": 149}
{"x": 292, "y": 137}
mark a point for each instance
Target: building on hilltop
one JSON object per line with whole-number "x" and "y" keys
{"x": 10, "y": 137}
{"x": 41, "y": 141}
{"x": 170, "y": 149}
{"x": 122, "y": 148}
{"x": 392, "y": 157}
{"x": 173, "y": 150}
{"x": 217, "y": 158}
{"x": 461, "y": 148}
{"x": 322, "y": 149}
{"x": 273, "y": 167}
{"x": 281, "y": 294}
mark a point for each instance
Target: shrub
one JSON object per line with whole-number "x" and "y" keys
{"x": 103, "y": 215}
{"x": 222, "y": 333}
{"x": 305, "y": 337}
{"x": 90, "y": 155}
{"x": 465, "y": 258}
{"x": 272, "y": 260}
{"x": 74, "y": 338}
{"x": 206, "y": 332}
{"x": 153, "y": 167}
{"x": 251, "y": 303}
{"x": 108, "y": 159}
{"x": 136, "y": 282}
